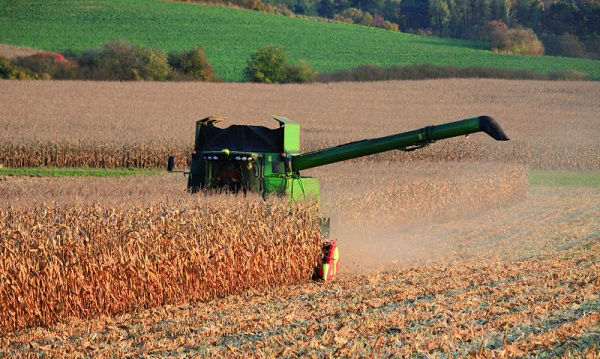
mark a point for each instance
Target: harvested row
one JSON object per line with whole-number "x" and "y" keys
{"x": 396, "y": 193}
{"x": 419, "y": 192}
{"x": 85, "y": 261}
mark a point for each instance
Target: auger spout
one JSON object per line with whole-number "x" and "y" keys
{"x": 407, "y": 140}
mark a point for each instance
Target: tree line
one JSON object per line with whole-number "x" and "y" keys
{"x": 565, "y": 27}
{"x": 120, "y": 61}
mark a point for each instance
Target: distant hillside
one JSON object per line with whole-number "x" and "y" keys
{"x": 566, "y": 27}
{"x": 231, "y": 35}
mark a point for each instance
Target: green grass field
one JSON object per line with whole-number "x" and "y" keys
{"x": 564, "y": 179}
{"x": 536, "y": 178}
{"x": 231, "y": 35}
{"x": 77, "y": 172}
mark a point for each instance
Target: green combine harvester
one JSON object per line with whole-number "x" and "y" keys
{"x": 268, "y": 161}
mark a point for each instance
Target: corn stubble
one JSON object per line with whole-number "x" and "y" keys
{"x": 60, "y": 262}
{"x": 384, "y": 194}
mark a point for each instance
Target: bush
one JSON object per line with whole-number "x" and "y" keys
{"x": 341, "y": 18}
{"x": 193, "y": 63}
{"x": 12, "y": 72}
{"x": 378, "y": 21}
{"x": 155, "y": 64}
{"x": 48, "y": 65}
{"x": 564, "y": 45}
{"x": 115, "y": 60}
{"x": 268, "y": 65}
{"x": 425, "y": 71}
{"x": 256, "y": 5}
{"x": 518, "y": 41}
{"x": 88, "y": 61}
{"x": 424, "y": 32}
{"x": 390, "y": 26}
{"x": 367, "y": 20}
{"x": 353, "y": 13}
{"x": 119, "y": 60}
{"x": 592, "y": 46}
{"x": 569, "y": 75}
{"x": 300, "y": 73}
{"x": 284, "y": 10}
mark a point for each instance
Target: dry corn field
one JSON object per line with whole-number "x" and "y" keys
{"x": 540, "y": 298}
{"x": 445, "y": 251}
{"x": 102, "y": 124}
{"x": 71, "y": 261}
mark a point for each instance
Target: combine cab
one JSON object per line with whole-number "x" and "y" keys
{"x": 249, "y": 158}
{"x": 243, "y": 158}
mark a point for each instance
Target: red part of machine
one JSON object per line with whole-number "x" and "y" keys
{"x": 330, "y": 266}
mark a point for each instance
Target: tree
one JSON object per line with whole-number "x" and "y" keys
{"x": 564, "y": 45}
{"x": 392, "y": 10}
{"x": 268, "y": 64}
{"x": 528, "y": 13}
{"x": 500, "y": 10}
{"x": 590, "y": 11}
{"x": 414, "y": 15}
{"x": 440, "y": 16}
{"x": 325, "y": 8}
{"x": 482, "y": 12}
{"x": 562, "y": 17}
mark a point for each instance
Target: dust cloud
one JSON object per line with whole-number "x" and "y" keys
{"x": 412, "y": 213}
{"x": 368, "y": 249}
{"x": 542, "y": 219}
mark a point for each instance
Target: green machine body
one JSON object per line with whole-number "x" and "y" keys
{"x": 249, "y": 159}
{"x": 268, "y": 161}
{"x": 244, "y": 158}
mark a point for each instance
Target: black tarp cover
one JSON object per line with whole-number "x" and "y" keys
{"x": 240, "y": 138}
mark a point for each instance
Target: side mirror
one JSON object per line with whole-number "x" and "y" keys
{"x": 170, "y": 163}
